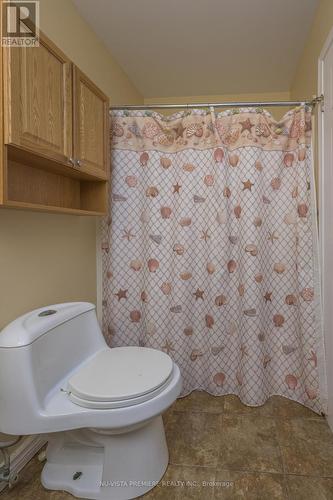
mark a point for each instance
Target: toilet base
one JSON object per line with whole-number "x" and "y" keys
{"x": 113, "y": 466}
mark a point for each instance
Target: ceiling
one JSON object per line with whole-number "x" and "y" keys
{"x": 200, "y": 47}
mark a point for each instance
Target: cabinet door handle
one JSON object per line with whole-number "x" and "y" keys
{"x": 79, "y": 163}
{"x": 71, "y": 161}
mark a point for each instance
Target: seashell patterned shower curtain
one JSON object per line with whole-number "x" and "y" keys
{"x": 210, "y": 250}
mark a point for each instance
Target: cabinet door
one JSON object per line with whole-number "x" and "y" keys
{"x": 91, "y": 127}
{"x": 38, "y": 100}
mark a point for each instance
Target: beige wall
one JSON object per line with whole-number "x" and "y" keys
{"x": 273, "y": 96}
{"x": 306, "y": 77}
{"x": 48, "y": 258}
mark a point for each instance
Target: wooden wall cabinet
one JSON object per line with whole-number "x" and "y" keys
{"x": 91, "y": 108}
{"x": 55, "y": 144}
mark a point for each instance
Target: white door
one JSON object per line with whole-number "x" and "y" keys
{"x": 326, "y": 207}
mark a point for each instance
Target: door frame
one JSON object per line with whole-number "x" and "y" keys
{"x": 321, "y": 203}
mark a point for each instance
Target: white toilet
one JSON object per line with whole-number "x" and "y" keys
{"x": 100, "y": 407}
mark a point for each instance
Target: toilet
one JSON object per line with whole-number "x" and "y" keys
{"x": 100, "y": 407}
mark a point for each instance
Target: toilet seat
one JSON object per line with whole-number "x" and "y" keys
{"x": 119, "y": 377}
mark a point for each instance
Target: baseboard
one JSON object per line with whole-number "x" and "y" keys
{"x": 22, "y": 453}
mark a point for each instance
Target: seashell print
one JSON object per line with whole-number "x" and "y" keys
{"x": 278, "y": 320}
{"x": 209, "y": 180}
{"x": 165, "y": 139}
{"x": 219, "y": 379}
{"x": 288, "y": 349}
{"x": 307, "y": 294}
{"x": 144, "y": 157}
{"x": 233, "y": 160}
{"x": 185, "y": 221}
{"x": 258, "y": 278}
{"x": 118, "y": 197}
{"x": 150, "y": 130}
{"x": 151, "y": 328}
{"x": 233, "y": 239}
{"x": 226, "y": 192}
{"x": 195, "y": 354}
{"x": 105, "y": 246}
{"x": 188, "y": 167}
{"x": 232, "y": 328}
{"x": 156, "y": 238}
{"x": 117, "y": 130}
{"x": 294, "y": 192}
{"x": 291, "y": 300}
{"x": 232, "y": 264}
{"x": 194, "y": 129}
{"x": 276, "y": 183}
{"x": 302, "y": 210}
{"x": 220, "y": 300}
{"x": 288, "y": 159}
{"x": 128, "y": 135}
{"x": 251, "y": 249}
{"x": 165, "y": 162}
{"x": 250, "y": 312}
{"x": 151, "y": 192}
{"x": 217, "y": 350}
{"x": 261, "y": 336}
{"x": 188, "y": 331}
{"x": 210, "y": 268}
{"x": 239, "y": 378}
{"x": 134, "y": 129}
{"x": 258, "y": 166}
{"x": 198, "y": 199}
{"x": 237, "y": 211}
{"x": 302, "y": 154}
{"x": 131, "y": 181}
{"x": 311, "y": 393}
{"x": 176, "y": 309}
{"x": 257, "y": 221}
{"x": 209, "y": 320}
{"x": 220, "y": 217}
{"x": 290, "y": 218}
{"x": 165, "y": 212}
{"x": 166, "y": 288}
{"x": 218, "y": 155}
{"x": 185, "y": 276}
{"x": 266, "y": 200}
{"x": 135, "y": 316}
{"x": 153, "y": 265}
{"x": 144, "y": 217}
{"x": 291, "y": 381}
{"x": 178, "y": 249}
{"x": 144, "y": 296}
{"x": 136, "y": 265}
{"x": 279, "y": 268}
{"x": 267, "y": 359}
{"x": 241, "y": 290}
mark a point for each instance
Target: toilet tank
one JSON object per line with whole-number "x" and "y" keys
{"x": 38, "y": 351}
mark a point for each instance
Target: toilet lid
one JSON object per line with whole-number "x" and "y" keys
{"x": 120, "y": 374}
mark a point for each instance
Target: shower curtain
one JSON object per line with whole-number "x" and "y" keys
{"x": 209, "y": 250}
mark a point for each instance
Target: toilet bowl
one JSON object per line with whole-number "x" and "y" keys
{"x": 100, "y": 407}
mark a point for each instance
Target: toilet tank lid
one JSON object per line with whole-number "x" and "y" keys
{"x": 27, "y": 328}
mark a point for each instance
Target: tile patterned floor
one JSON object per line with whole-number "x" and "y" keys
{"x": 221, "y": 449}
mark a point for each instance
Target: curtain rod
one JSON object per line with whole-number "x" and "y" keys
{"x": 312, "y": 102}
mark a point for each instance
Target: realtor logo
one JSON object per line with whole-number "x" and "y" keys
{"x": 20, "y": 23}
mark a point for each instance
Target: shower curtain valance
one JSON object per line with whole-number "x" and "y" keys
{"x": 210, "y": 250}
{"x": 199, "y": 129}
